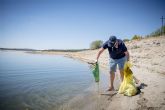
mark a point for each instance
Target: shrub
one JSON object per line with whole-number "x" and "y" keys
{"x": 136, "y": 37}
{"x": 157, "y": 32}
{"x": 126, "y": 40}
{"x": 96, "y": 44}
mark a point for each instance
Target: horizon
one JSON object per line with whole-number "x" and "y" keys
{"x": 72, "y": 24}
{"x": 70, "y": 49}
{"x": 1, "y": 48}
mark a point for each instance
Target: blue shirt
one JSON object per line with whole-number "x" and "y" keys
{"x": 116, "y": 53}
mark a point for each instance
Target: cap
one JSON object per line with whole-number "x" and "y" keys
{"x": 112, "y": 39}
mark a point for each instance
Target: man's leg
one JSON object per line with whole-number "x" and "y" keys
{"x": 121, "y": 63}
{"x": 112, "y": 73}
{"x": 122, "y": 74}
{"x": 112, "y": 77}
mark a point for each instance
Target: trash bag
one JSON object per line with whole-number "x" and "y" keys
{"x": 128, "y": 87}
{"x": 95, "y": 72}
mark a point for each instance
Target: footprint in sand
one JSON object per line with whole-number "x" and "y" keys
{"x": 142, "y": 103}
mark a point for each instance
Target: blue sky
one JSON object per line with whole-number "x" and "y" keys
{"x": 74, "y": 24}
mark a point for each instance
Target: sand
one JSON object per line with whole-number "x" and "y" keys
{"x": 148, "y": 58}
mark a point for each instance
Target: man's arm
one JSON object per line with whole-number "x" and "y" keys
{"x": 127, "y": 55}
{"x": 99, "y": 53}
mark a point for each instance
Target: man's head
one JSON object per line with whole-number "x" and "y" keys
{"x": 112, "y": 40}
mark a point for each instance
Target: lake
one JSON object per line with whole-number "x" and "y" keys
{"x": 40, "y": 82}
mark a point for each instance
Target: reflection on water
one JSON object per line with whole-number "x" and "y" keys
{"x": 40, "y": 82}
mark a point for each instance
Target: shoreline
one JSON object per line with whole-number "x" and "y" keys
{"x": 90, "y": 98}
{"x": 74, "y": 55}
{"x": 148, "y": 57}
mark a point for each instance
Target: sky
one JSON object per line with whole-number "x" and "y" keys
{"x": 74, "y": 24}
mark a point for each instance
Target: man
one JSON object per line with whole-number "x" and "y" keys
{"x": 118, "y": 56}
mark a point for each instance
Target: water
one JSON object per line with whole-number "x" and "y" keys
{"x": 40, "y": 82}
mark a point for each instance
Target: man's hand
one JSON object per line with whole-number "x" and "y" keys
{"x": 127, "y": 55}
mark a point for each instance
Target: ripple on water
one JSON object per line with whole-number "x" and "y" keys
{"x": 40, "y": 82}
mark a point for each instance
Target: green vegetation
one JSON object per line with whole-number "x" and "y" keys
{"x": 18, "y": 49}
{"x": 126, "y": 40}
{"x": 64, "y": 50}
{"x": 136, "y": 37}
{"x": 158, "y": 32}
{"x": 96, "y": 44}
{"x": 48, "y": 50}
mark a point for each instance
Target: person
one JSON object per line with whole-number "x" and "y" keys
{"x": 118, "y": 56}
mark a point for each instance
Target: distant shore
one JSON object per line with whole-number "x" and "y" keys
{"x": 87, "y": 56}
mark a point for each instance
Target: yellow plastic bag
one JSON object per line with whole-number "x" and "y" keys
{"x": 128, "y": 87}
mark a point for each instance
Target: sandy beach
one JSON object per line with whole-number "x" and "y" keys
{"x": 148, "y": 59}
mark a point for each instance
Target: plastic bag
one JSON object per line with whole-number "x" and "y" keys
{"x": 96, "y": 72}
{"x": 128, "y": 87}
